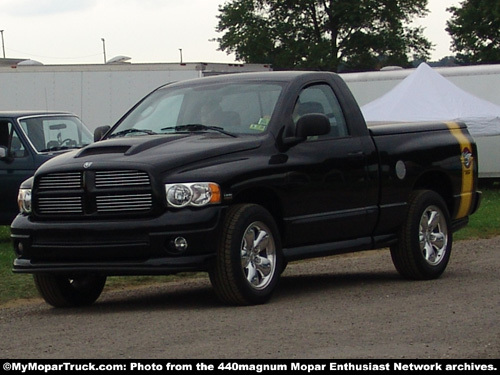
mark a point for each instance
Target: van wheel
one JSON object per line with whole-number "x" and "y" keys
{"x": 249, "y": 257}
{"x": 425, "y": 238}
{"x": 64, "y": 291}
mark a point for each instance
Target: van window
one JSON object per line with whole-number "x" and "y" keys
{"x": 10, "y": 140}
{"x": 54, "y": 133}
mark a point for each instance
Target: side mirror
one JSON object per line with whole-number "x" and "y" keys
{"x": 3, "y": 152}
{"x": 313, "y": 124}
{"x": 100, "y": 132}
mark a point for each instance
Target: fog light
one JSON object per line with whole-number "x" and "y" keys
{"x": 19, "y": 248}
{"x": 180, "y": 244}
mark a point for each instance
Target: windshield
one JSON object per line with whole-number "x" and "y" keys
{"x": 231, "y": 109}
{"x": 54, "y": 133}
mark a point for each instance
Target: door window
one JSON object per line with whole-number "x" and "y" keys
{"x": 11, "y": 141}
{"x": 321, "y": 99}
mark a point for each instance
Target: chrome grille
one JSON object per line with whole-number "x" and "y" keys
{"x": 106, "y": 179}
{"x": 60, "y": 205}
{"x": 91, "y": 192}
{"x": 125, "y": 202}
{"x": 70, "y": 180}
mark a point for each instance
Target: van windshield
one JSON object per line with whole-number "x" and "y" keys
{"x": 55, "y": 133}
{"x": 233, "y": 109}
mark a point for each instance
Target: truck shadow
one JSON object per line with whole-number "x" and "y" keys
{"x": 198, "y": 294}
{"x": 326, "y": 282}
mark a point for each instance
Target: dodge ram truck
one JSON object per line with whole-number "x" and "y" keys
{"x": 237, "y": 175}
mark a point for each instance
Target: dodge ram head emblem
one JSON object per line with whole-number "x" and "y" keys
{"x": 466, "y": 157}
{"x": 87, "y": 164}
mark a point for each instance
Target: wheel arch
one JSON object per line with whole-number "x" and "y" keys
{"x": 438, "y": 182}
{"x": 266, "y": 198}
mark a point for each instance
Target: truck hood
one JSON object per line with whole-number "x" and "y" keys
{"x": 163, "y": 152}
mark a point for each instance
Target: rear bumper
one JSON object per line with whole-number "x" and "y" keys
{"x": 461, "y": 223}
{"x": 466, "y": 204}
{"x": 477, "y": 201}
{"x": 118, "y": 247}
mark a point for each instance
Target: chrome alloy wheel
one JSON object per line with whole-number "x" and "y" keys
{"x": 433, "y": 235}
{"x": 258, "y": 255}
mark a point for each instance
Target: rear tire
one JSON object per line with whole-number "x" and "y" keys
{"x": 64, "y": 291}
{"x": 425, "y": 238}
{"x": 249, "y": 258}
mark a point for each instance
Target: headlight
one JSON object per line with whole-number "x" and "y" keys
{"x": 192, "y": 194}
{"x": 24, "y": 201}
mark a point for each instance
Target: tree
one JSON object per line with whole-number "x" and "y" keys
{"x": 328, "y": 34}
{"x": 475, "y": 31}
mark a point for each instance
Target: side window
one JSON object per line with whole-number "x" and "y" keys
{"x": 253, "y": 109}
{"x": 10, "y": 140}
{"x": 321, "y": 99}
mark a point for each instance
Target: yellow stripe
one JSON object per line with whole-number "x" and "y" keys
{"x": 467, "y": 171}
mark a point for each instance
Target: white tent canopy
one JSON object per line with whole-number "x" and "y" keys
{"x": 425, "y": 95}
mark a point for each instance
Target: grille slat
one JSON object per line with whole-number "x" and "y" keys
{"x": 105, "y": 179}
{"x": 70, "y": 180}
{"x": 60, "y": 205}
{"x": 132, "y": 202}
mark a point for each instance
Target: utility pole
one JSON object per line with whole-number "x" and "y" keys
{"x": 3, "y": 45}
{"x": 104, "y": 49}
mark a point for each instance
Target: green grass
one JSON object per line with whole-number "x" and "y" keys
{"x": 4, "y": 234}
{"x": 12, "y": 286}
{"x": 483, "y": 224}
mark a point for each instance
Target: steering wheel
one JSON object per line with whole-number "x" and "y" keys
{"x": 68, "y": 140}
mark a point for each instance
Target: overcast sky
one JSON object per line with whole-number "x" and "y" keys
{"x": 70, "y": 31}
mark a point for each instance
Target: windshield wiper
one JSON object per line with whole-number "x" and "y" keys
{"x": 128, "y": 131}
{"x": 198, "y": 127}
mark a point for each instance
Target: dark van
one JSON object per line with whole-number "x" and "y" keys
{"x": 27, "y": 140}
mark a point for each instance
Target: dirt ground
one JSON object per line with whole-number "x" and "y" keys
{"x": 353, "y": 306}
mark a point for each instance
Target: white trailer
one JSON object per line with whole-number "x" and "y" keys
{"x": 482, "y": 81}
{"x": 98, "y": 94}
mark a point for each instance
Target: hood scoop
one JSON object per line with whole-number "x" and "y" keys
{"x": 127, "y": 146}
{"x": 90, "y": 150}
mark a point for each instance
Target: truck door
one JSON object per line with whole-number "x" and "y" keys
{"x": 332, "y": 195}
{"x": 15, "y": 167}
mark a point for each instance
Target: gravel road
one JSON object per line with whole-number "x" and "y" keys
{"x": 353, "y": 306}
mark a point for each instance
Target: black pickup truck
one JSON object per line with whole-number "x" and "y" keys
{"x": 236, "y": 175}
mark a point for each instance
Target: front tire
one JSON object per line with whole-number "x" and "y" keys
{"x": 64, "y": 291}
{"x": 249, "y": 257}
{"x": 425, "y": 238}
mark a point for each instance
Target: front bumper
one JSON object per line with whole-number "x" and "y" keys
{"x": 118, "y": 247}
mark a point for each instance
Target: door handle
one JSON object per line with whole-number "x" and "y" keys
{"x": 356, "y": 155}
